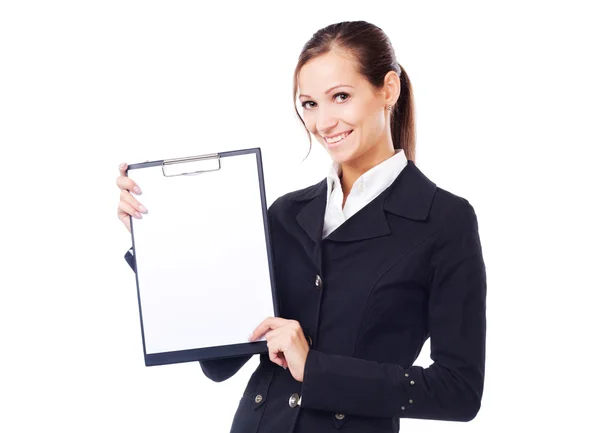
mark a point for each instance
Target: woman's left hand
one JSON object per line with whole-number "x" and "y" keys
{"x": 286, "y": 342}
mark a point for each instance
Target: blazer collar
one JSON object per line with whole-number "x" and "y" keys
{"x": 409, "y": 196}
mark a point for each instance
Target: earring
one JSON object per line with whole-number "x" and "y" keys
{"x": 389, "y": 107}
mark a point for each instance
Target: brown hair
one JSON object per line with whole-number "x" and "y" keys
{"x": 375, "y": 57}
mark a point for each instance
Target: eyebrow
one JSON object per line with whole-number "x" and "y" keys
{"x": 330, "y": 89}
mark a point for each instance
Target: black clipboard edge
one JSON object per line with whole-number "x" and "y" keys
{"x": 208, "y": 353}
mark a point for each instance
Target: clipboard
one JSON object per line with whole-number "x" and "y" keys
{"x": 204, "y": 267}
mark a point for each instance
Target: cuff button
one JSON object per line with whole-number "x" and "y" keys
{"x": 340, "y": 416}
{"x": 412, "y": 382}
{"x": 410, "y": 401}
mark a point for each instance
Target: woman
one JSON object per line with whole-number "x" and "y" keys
{"x": 369, "y": 263}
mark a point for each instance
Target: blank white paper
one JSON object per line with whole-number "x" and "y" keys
{"x": 201, "y": 255}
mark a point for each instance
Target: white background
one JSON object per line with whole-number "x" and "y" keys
{"x": 507, "y": 97}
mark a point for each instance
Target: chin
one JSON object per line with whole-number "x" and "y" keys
{"x": 342, "y": 156}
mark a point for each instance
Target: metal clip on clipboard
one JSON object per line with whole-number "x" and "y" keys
{"x": 190, "y": 160}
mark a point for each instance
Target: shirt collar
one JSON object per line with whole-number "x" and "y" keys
{"x": 376, "y": 178}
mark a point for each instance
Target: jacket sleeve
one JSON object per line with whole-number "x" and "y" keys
{"x": 130, "y": 259}
{"x": 216, "y": 370}
{"x": 451, "y": 387}
{"x": 219, "y": 370}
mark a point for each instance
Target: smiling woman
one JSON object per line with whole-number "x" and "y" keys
{"x": 355, "y": 97}
{"x": 330, "y": 114}
{"x": 369, "y": 263}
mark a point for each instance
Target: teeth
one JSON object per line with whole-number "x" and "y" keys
{"x": 337, "y": 138}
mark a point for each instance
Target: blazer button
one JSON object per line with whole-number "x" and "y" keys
{"x": 294, "y": 400}
{"x": 340, "y": 416}
{"x": 318, "y": 281}
{"x": 258, "y": 398}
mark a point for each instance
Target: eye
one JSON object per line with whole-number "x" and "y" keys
{"x": 344, "y": 94}
{"x": 341, "y": 94}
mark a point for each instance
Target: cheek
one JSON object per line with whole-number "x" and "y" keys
{"x": 374, "y": 122}
{"x": 378, "y": 117}
{"x": 360, "y": 116}
{"x": 352, "y": 115}
{"x": 311, "y": 125}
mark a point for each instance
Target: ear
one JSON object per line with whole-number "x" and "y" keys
{"x": 391, "y": 88}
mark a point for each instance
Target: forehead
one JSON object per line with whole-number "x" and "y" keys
{"x": 327, "y": 70}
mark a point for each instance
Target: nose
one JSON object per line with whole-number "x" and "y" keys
{"x": 325, "y": 122}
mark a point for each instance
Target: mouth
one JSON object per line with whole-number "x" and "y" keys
{"x": 337, "y": 140}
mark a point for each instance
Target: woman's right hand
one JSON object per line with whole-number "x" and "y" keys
{"x": 128, "y": 205}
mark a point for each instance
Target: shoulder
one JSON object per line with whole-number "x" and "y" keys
{"x": 453, "y": 212}
{"x": 446, "y": 201}
{"x": 443, "y": 206}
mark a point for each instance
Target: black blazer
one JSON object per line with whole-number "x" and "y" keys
{"x": 406, "y": 267}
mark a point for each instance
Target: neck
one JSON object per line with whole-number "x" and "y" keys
{"x": 355, "y": 168}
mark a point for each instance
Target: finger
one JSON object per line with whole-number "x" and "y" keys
{"x": 132, "y": 201}
{"x": 125, "y": 182}
{"x": 275, "y": 358}
{"x": 259, "y": 332}
{"x": 265, "y": 325}
{"x": 127, "y": 208}
{"x": 272, "y": 334}
{"x": 123, "y": 168}
{"x": 274, "y": 354}
{"x": 262, "y": 328}
{"x": 283, "y": 360}
{"x": 287, "y": 334}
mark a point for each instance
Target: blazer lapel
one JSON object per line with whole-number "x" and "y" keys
{"x": 310, "y": 217}
{"x": 409, "y": 196}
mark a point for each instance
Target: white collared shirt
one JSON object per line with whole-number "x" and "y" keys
{"x": 367, "y": 187}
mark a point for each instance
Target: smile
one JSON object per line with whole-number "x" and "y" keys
{"x": 336, "y": 140}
